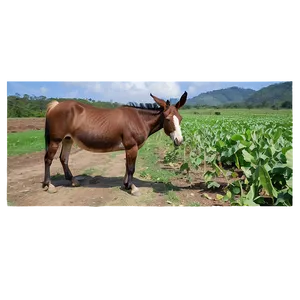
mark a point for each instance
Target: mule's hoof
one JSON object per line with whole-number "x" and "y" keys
{"x": 52, "y": 189}
{"x": 135, "y": 191}
{"x": 45, "y": 187}
{"x": 75, "y": 182}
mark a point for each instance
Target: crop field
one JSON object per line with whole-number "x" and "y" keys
{"x": 238, "y": 157}
{"x": 252, "y": 152}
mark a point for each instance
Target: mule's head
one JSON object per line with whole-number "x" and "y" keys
{"x": 172, "y": 118}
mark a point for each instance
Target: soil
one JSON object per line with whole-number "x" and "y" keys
{"x": 100, "y": 176}
{"x": 22, "y": 124}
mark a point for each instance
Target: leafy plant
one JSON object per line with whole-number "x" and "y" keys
{"x": 254, "y": 155}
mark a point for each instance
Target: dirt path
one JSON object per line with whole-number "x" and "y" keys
{"x": 101, "y": 177}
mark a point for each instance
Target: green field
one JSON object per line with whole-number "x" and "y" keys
{"x": 25, "y": 142}
{"x": 250, "y": 149}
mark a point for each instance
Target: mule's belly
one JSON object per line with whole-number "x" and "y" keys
{"x": 98, "y": 145}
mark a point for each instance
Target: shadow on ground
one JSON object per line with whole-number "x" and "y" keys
{"x": 87, "y": 181}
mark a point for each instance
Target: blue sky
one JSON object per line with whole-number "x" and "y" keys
{"x": 123, "y": 92}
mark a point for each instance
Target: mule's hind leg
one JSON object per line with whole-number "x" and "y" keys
{"x": 50, "y": 153}
{"x": 64, "y": 159}
{"x": 131, "y": 155}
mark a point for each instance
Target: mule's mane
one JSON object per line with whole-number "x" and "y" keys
{"x": 148, "y": 106}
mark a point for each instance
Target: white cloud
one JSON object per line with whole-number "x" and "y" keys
{"x": 94, "y": 87}
{"x": 43, "y": 90}
{"x": 134, "y": 91}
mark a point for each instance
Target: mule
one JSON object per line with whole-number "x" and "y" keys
{"x": 106, "y": 130}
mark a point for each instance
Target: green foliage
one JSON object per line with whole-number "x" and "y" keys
{"x": 253, "y": 153}
{"x": 32, "y": 106}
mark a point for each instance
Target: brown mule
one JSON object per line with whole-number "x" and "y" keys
{"x": 105, "y": 130}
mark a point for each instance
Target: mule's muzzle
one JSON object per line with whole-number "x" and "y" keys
{"x": 177, "y": 142}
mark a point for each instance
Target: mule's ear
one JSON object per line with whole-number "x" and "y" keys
{"x": 182, "y": 101}
{"x": 160, "y": 102}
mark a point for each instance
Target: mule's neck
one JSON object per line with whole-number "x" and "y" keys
{"x": 157, "y": 124}
{"x": 154, "y": 120}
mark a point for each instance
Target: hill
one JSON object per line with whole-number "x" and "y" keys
{"x": 222, "y": 97}
{"x": 275, "y": 95}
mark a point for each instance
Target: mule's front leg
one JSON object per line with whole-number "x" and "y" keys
{"x": 131, "y": 155}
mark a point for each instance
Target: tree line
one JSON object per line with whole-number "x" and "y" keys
{"x": 275, "y": 106}
{"x": 35, "y": 106}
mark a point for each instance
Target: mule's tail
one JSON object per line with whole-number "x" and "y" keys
{"x": 50, "y": 106}
{"x": 47, "y": 135}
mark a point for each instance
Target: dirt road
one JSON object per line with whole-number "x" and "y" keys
{"x": 100, "y": 175}
{"x": 102, "y": 187}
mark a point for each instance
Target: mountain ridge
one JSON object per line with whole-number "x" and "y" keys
{"x": 278, "y": 94}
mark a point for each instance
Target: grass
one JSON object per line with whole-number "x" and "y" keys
{"x": 113, "y": 154}
{"x": 90, "y": 171}
{"x": 57, "y": 176}
{"x": 148, "y": 158}
{"x": 172, "y": 197}
{"x": 234, "y": 111}
{"x": 25, "y": 142}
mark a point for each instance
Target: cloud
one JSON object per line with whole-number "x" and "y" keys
{"x": 44, "y": 90}
{"x": 129, "y": 91}
{"x": 123, "y": 91}
{"x": 195, "y": 88}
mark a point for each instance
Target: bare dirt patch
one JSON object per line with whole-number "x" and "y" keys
{"x": 102, "y": 187}
{"x": 100, "y": 175}
{"x": 23, "y": 124}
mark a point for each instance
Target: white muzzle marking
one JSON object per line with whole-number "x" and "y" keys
{"x": 176, "y": 135}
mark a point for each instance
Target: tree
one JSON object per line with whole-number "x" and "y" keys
{"x": 287, "y": 104}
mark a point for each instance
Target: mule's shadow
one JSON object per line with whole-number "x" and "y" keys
{"x": 112, "y": 182}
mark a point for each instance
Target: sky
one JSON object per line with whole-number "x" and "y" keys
{"x": 122, "y": 92}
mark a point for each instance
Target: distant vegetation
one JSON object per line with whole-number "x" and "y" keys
{"x": 275, "y": 96}
{"x": 32, "y": 106}
{"x": 221, "y": 97}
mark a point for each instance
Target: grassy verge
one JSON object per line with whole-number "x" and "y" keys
{"x": 148, "y": 159}
{"x": 25, "y": 142}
